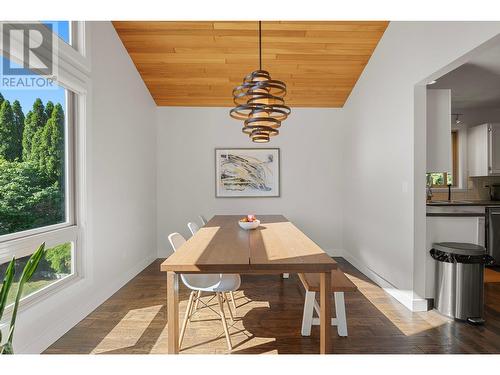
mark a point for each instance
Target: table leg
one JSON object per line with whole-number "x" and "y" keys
{"x": 173, "y": 312}
{"x": 325, "y": 316}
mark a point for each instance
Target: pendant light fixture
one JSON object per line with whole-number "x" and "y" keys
{"x": 457, "y": 118}
{"x": 260, "y": 103}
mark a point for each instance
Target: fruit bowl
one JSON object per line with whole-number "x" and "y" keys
{"x": 248, "y": 225}
{"x": 249, "y": 222}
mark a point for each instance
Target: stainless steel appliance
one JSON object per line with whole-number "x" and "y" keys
{"x": 493, "y": 233}
{"x": 460, "y": 277}
{"x": 494, "y": 192}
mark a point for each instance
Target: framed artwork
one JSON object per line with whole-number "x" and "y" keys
{"x": 247, "y": 172}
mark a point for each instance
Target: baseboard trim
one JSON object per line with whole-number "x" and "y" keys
{"x": 420, "y": 304}
{"x": 405, "y": 297}
{"x": 53, "y": 332}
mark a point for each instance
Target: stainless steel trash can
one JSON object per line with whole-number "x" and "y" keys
{"x": 459, "y": 279}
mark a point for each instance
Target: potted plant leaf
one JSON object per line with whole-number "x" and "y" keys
{"x": 28, "y": 271}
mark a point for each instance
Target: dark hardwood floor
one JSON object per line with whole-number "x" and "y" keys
{"x": 268, "y": 320}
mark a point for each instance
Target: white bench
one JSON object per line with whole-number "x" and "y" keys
{"x": 340, "y": 284}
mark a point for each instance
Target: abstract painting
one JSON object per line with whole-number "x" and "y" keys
{"x": 252, "y": 172}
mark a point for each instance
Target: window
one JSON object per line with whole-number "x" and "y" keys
{"x": 68, "y": 32}
{"x": 37, "y": 173}
{"x": 56, "y": 265}
{"x": 34, "y": 162}
{"x": 62, "y": 29}
{"x": 442, "y": 179}
{"x": 35, "y": 181}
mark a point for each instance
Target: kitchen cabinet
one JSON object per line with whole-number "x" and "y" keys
{"x": 483, "y": 150}
{"x": 438, "y": 130}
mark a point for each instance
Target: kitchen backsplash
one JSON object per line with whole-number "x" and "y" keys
{"x": 476, "y": 190}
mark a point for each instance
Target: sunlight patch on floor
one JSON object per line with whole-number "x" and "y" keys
{"x": 204, "y": 334}
{"x": 128, "y": 331}
{"x": 408, "y": 322}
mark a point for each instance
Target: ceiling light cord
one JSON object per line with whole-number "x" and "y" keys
{"x": 260, "y": 45}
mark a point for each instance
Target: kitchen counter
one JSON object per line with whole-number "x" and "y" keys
{"x": 441, "y": 203}
{"x": 460, "y": 208}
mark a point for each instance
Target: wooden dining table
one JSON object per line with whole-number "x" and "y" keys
{"x": 275, "y": 247}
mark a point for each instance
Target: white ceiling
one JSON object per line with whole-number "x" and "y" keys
{"x": 475, "y": 84}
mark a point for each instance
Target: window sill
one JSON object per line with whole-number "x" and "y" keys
{"x": 453, "y": 189}
{"x": 39, "y": 296}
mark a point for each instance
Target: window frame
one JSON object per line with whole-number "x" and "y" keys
{"x": 26, "y": 246}
{"x": 75, "y": 40}
{"x": 74, "y": 76}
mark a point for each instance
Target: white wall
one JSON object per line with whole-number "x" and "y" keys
{"x": 121, "y": 192}
{"x": 383, "y": 146}
{"x": 311, "y": 171}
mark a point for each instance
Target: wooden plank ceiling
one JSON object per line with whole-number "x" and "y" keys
{"x": 199, "y": 63}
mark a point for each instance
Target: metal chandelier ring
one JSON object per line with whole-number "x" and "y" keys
{"x": 263, "y": 121}
{"x": 269, "y": 132}
{"x": 274, "y": 87}
{"x": 243, "y": 112}
{"x": 260, "y": 99}
{"x": 256, "y": 73}
{"x": 260, "y": 129}
{"x": 272, "y": 108}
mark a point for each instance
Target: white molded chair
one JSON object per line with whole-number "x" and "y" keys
{"x": 193, "y": 228}
{"x": 219, "y": 284}
{"x": 203, "y": 220}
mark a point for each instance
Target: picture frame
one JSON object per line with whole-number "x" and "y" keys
{"x": 247, "y": 172}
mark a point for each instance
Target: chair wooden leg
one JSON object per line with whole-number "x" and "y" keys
{"x": 307, "y": 315}
{"x": 198, "y": 295}
{"x": 229, "y": 308}
{"x": 186, "y": 317}
{"x": 340, "y": 313}
{"x": 224, "y": 323}
{"x": 233, "y": 300}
